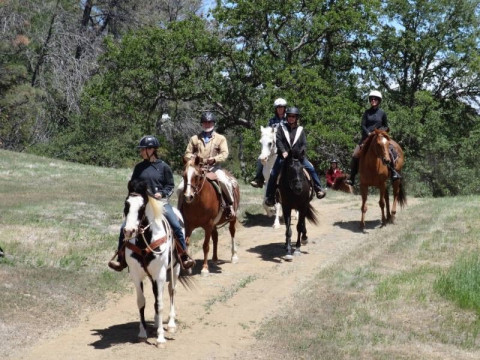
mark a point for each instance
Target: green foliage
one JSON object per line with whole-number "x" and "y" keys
{"x": 461, "y": 282}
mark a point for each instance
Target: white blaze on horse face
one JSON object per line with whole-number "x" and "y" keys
{"x": 132, "y": 221}
{"x": 188, "y": 193}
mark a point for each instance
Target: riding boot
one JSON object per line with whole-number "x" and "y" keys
{"x": 259, "y": 179}
{"x": 395, "y": 175}
{"x": 353, "y": 170}
{"x": 319, "y": 192}
{"x": 186, "y": 261}
{"x": 270, "y": 193}
{"x": 120, "y": 263}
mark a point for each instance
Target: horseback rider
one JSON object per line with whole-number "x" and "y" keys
{"x": 213, "y": 148}
{"x": 279, "y": 106}
{"x": 290, "y": 137}
{"x": 333, "y": 174}
{"x": 373, "y": 118}
{"x": 159, "y": 178}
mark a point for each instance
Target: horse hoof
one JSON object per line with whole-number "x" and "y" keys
{"x": 288, "y": 257}
{"x": 161, "y": 344}
{"x": 234, "y": 259}
{"x": 304, "y": 241}
{"x": 172, "y": 329}
{"x": 204, "y": 272}
{"x": 297, "y": 253}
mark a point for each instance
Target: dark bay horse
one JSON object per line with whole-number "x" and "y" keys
{"x": 295, "y": 193}
{"x": 201, "y": 207}
{"x": 374, "y": 157}
{"x": 149, "y": 252}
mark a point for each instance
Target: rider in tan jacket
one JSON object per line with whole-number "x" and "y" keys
{"x": 213, "y": 148}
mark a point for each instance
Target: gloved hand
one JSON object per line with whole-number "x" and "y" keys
{"x": 210, "y": 161}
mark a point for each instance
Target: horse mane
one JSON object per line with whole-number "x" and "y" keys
{"x": 368, "y": 140}
{"x": 157, "y": 209}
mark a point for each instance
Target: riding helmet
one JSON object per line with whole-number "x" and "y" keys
{"x": 148, "y": 141}
{"x": 279, "y": 102}
{"x": 293, "y": 110}
{"x": 334, "y": 161}
{"x": 375, "y": 93}
{"x": 208, "y": 116}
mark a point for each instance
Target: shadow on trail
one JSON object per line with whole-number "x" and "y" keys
{"x": 354, "y": 225}
{"x": 273, "y": 252}
{"x": 117, "y": 335}
{"x": 251, "y": 220}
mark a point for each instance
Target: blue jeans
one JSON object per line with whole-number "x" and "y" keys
{"x": 172, "y": 220}
{"x": 311, "y": 170}
{"x": 272, "y": 180}
{"x": 276, "y": 170}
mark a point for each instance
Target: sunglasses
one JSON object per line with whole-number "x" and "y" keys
{"x": 374, "y": 98}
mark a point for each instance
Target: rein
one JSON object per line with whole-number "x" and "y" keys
{"x": 203, "y": 176}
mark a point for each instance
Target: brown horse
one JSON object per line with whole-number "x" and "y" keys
{"x": 340, "y": 184}
{"x": 202, "y": 207}
{"x": 374, "y": 157}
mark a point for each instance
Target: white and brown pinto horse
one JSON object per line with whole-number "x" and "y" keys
{"x": 149, "y": 252}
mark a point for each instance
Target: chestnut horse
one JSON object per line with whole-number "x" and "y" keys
{"x": 202, "y": 207}
{"x": 295, "y": 193}
{"x": 374, "y": 156}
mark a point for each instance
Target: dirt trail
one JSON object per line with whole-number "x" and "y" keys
{"x": 218, "y": 319}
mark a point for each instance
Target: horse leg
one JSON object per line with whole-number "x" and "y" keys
{"x": 304, "y": 237}
{"x": 172, "y": 326}
{"x": 157, "y": 286}
{"x": 232, "y": 229}
{"x": 364, "y": 208}
{"x": 387, "y": 206}
{"x": 276, "y": 223}
{"x": 301, "y": 232}
{"x": 142, "y": 334}
{"x": 288, "y": 233}
{"x": 381, "y": 203}
{"x": 206, "y": 249}
{"x": 396, "y": 191}
{"x": 215, "y": 245}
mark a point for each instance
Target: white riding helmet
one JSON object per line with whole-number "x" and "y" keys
{"x": 279, "y": 102}
{"x": 375, "y": 93}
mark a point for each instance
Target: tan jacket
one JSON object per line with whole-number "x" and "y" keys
{"x": 216, "y": 148}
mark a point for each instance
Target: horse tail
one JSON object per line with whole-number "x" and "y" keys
{"x": 402, "y": 195}
{"x": 312, "y": 214}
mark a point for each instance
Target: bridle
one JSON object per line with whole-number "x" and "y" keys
{"x": 200, "y": 172}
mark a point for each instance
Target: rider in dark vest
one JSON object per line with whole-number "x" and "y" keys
{"x": 290, "y": 137}
{"x": 373, "y": 118}
{"x": 159, "y": 178}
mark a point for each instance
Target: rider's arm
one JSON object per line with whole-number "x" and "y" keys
{"x": 190, "y": 151}
{"x": 221, "y": 148}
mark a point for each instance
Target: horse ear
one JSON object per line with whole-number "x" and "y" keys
{"x": 261, "y": 128}
{"x": 130, "y": 186}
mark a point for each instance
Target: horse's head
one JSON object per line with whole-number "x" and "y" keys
{"x": 193, "y": 178}
{"x": 267, "y": 140}
{"x": 293, "y": 171}
{"x": 380, "y": 142}
{"x": 134, "y": 209}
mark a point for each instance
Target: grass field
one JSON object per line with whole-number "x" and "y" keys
{"x": 415, "y": 284}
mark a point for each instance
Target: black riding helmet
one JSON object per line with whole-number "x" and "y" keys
{"x": 148, "y": 141}
{"x": 208, "y": 116}
{"x": 334, "y": 161}
{"x": 293, "y": 111}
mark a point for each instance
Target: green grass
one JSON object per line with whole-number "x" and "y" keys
{"x": 409, "y": 292}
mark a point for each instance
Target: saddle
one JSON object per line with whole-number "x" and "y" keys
{"x": 213, "y": 179}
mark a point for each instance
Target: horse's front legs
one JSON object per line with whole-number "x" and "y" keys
{"x": 288, "y": 233}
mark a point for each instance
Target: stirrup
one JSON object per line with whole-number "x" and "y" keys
{"x": 187, "y": 261}
{"x": 269, "y": 201}
{"x": 257, "y": 183}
